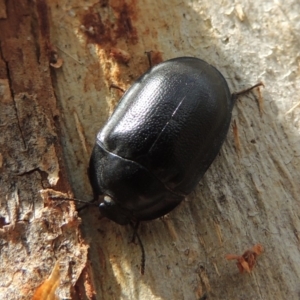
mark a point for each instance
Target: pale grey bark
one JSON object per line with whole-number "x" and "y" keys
{"x": 247, "y": 197}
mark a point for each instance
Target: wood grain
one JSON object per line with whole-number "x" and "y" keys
{"x": 50, "y": 117}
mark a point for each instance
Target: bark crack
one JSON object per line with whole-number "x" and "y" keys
{"x": 13, "y": 97}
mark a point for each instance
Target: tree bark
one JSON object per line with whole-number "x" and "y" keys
{"x": 34, "y": 231}
{"x": 58, "y": 61}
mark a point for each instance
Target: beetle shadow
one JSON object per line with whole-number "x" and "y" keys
{"x": 194, "y": 231}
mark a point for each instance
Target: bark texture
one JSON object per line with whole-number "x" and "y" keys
{"x": 49, "y": 118}
{"x": 35, "y": 232}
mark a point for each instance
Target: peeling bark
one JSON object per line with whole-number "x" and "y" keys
{"x": 34, "y": 232}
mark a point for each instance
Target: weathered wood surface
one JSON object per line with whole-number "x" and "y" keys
{"x": 50, "y": 116}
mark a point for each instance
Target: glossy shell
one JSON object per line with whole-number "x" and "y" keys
{"x": 162, "y": 137}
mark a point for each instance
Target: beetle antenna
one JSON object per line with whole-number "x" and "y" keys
{"x": 245, "y": 91}
{"x": 135, "y": 234}
{"x": 72, "y": 199}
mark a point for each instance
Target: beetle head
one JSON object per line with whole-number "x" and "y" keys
{"x": 111, "y": 210}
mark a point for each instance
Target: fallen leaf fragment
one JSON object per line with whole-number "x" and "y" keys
{"x": 247, "y": 261}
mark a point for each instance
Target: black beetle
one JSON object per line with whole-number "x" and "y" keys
{"x": 162, "y": 137}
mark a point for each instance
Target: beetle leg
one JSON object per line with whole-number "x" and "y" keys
{"x": 148, "y": 53}
{"x": 143, "y": 260}
{"x": 135, "y": 234}
{"x": 135, "y": 228}
{"x": 114, "y": 86}
{"x": 245, "y": 91}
